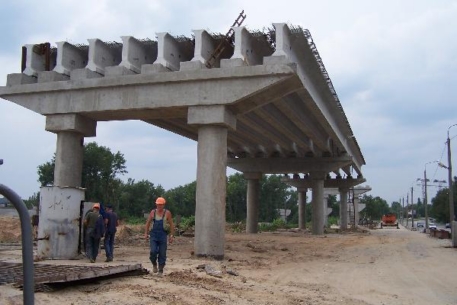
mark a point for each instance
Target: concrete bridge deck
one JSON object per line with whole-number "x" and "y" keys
{"x": 267, "y": 105}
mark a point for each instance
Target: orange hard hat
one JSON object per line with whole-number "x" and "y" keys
{"x": 96, "y": 206}
{"x": 161, "y": 200}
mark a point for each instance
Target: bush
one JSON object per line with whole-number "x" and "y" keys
{"x": 186, "y": 223}
{"x": 135, "y": 220}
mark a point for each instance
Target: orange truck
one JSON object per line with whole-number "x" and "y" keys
{"x": 389, "y": 220}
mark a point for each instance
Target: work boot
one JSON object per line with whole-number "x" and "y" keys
{"x": 107, "y": 260}
{"x": 161, "y": 270}
{"x": 154, "y": 268}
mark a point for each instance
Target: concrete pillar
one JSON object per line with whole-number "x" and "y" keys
{"x": 325, "y": 202}
{"x": 211, "y": 178}
{"x": 302, "y": 208}
{"x": 69, "y": 159}
{"x": 356, "y": 211}
{"x": 58, "y": 229}
{"x": 317, "y": 202}
{"x": 253, "y": 201}
{"x": 343, "y": 208}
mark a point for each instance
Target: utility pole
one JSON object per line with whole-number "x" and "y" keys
{"x": 407, "y": 203}
{"x": 451, "y": 188}
{"x": 412, "y": 211}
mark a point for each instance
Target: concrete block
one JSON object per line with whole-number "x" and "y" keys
{"x": 70, "y": 57}
{"x": 71, "y": 122}
{"x": 83, "y": 74}
{"x": 101, "y": 55}
{"x": 233, "y": 62}
{"x": 192, "y": 65}
{"x": 15, "y": 79}
{"x": 154, "y": 68}
{"x": 51, "y": 76}
{"x": 136, "y": 53}
{"x": 117, "y": 71}
{"x": 213, "y": 115}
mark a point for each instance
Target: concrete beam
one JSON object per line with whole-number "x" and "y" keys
{"x": 70, "y": 57}
{"x": 170, "y": 53}
{"x": 287, "y": 165}
{"x": 102, "y": 55}
{"x": 248, "y": 51}
{"x": 136, "y": 53}
{"x": 204, "y": 47}
{"x": 328, "y": 183}
{"x": 35, "y": 60}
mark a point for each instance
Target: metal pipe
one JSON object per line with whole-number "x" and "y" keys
{"x": 27, "y": 243}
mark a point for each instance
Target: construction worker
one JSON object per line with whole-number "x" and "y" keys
{"x": 162, "y": 229}
{"x": 111, "y": 222}
{"x": 95, "y": 229}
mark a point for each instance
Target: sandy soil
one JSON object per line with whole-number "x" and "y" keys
{"x": 387, "y": 266}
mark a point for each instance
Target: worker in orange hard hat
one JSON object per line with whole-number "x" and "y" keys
{"x": 95, "y": 229}
{"x": 162, "y": 229}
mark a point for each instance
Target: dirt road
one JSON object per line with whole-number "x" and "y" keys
{"x": 386, "y": 266}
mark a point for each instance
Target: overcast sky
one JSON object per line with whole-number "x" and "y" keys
{"x": 393, "y": 64}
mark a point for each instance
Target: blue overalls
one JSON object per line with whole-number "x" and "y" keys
{"x": 158, "y": 241}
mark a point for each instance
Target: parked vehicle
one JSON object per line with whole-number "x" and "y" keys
{"x": 448, "y": 225}
{"x": 432, "y": 226}
{"x": 420, "y": 225}
{"x": 389, "y": 220}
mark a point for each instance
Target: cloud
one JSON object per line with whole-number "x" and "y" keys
{"x": 392, "y": 63}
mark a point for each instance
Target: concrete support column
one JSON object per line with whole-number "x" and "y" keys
{"x": 69, "y": 159}
{"x": 211, "y": 178}
{"x": 70, "y": 130}
{"x": 60, "y": 204}
{"x": 302, "y": 208}
{"x": 356, "y": 211}
{"x": 317, "y": 202}
{"x": 325, "y": 202}
{"x": 253, "y": 201}
{"x": 343, "y": 208}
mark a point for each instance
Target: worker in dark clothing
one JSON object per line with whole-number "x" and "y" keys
{"x": 162, "y": 229}
{"x": 95, "y": 228}
{"x": 111, "y": 222}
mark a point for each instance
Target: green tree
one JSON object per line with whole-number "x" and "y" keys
{"x": 375, "y": 207}
{"x": 273, "y": 196}
{"x": 46, "y": 172}
{"x": 33, "y": 201}
{"x": 397, "y": 208}
{"x": 138, "y": 198}
{"x": 236, "y": 198}
{"x": 182, "y": 199}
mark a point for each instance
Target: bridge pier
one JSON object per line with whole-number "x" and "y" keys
{"x": 343, "y": 208}
{"x": 213, "y": 122}
{"x": 253, "y": 201}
